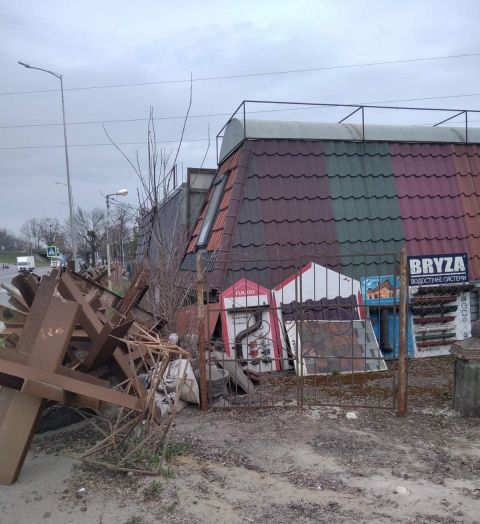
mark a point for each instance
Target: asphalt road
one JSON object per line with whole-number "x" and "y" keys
{"x": 6, "y": 276}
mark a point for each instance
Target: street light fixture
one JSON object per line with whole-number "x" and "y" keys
{"x": 70, "y": 197}
{"x": 120, "y": 192}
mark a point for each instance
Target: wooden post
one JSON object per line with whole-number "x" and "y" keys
{"x": 201, "y": 331}
{"x": 402, "y": 345}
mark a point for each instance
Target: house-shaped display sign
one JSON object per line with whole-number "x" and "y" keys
{"x": 250, "y": 326}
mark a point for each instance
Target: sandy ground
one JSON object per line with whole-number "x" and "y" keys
{"x": 278, "y": 466}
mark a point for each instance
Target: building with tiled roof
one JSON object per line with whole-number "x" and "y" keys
{"x": 286, "y": 193}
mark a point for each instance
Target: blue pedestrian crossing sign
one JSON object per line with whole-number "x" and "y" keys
{"x": 52, "y": 251}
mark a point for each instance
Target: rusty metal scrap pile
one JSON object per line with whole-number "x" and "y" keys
{"x": 68, "y": 339}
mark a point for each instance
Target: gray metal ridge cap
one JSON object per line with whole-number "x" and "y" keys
{"x": 235, "y": 133}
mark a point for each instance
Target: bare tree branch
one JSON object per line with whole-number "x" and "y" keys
{"x": 186, "y": 118}
{"x": 208, "y": 147}
{"x": 119, "y": 150}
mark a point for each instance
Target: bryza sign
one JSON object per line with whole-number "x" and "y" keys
{"x": 438, "y": 269}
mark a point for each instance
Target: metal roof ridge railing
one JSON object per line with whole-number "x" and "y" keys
{"x": 242, "y": 109}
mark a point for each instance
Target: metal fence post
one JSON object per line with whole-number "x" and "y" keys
{"x": 201, "y": 331}
{"x": 402, "y": 345}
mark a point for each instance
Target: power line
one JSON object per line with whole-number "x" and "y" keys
{"x": 119, "y": 120}
{"x": 214, "y": 115}
{"x": 424, "y": 98}
{"x": 247, "y": 75}
{"x": 104, "y": 144}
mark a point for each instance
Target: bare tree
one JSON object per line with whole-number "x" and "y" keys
{"x": 50, "y": 230}
{"x": 120, "y": 228}
{"x": 90, "y": 230}
{"x": 161, "y": 239}
{"x": 10, "y": 241}
{"x": 30, "y": 231}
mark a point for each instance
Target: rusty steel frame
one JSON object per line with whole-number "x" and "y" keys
{"x": 44, "y": 341}
{"x": 33, "y": 365}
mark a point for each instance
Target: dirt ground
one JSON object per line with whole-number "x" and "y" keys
{"x": 270, "y": 465}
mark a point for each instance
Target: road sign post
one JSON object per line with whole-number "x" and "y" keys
{"x": 52, "y": 251}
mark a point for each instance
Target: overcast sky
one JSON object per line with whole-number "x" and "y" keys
{"x": 119, "y": 42}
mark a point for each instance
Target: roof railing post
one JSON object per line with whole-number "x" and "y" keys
{"x": 244, "y": 120}
{"x": 466, "y": 127}
{"x": 363, "y": 123}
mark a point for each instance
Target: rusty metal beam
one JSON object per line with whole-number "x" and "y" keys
{"x": 49, "y": 392}
{"x": 100, "y": 354}
{"x": 12, "y": 317}
{"x": 15, "y": 297}
{"x": 25, "y": 287}
{"x": 107, "y": 297}
{"x": 45, "y": 340}
{"x": 134, "y": 294}
{"x": 37, "y": 311}
{"x": 71, "y": 385}
{"x": 88, "y": 318}
{"x": 123, "y": 365}
{"x": 20, "y": 357}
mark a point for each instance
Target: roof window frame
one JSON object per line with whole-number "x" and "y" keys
{"x": 212, "y": 211}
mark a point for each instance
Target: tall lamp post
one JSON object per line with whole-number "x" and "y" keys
{"x": 120, "y": 192}
{"x": 70, "y": 197}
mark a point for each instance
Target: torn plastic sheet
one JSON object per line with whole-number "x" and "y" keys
{"x": 165, "y": 404}
{"x": 188, "y": 389}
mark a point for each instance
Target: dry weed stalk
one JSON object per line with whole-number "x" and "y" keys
{"x": 134, "y": 440}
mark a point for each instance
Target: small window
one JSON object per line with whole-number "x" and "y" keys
{"x": 211, "y": 211}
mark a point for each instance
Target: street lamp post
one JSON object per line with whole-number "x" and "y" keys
{"x": 120, "y": 192}
{"x": 70, "y": 197}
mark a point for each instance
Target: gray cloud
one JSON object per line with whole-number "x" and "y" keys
{"x": 96, "y": 43}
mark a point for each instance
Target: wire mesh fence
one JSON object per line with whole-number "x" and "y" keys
{"x": 322, "y": 332}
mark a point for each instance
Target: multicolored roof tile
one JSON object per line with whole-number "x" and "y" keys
{"x": 347, "y": 205}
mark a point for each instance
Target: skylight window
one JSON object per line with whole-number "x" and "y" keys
{"x": 211, "y": 211}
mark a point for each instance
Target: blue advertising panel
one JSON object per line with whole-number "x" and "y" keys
{"x": 380, "y": 290}
{"x": 382, "y": 293}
